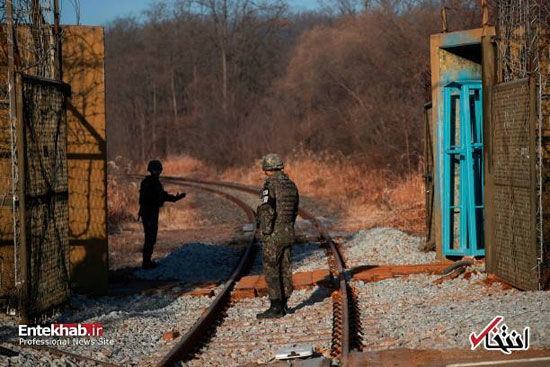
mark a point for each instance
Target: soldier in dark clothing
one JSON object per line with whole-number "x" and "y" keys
{"x": 276, "y": 216}
{"x": 151, "y": 198}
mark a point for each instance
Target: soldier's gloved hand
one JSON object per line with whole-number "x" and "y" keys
{"x": 181, "y": 196}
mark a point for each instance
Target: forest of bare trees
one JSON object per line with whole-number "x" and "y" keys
{"x": 229, "y": 80}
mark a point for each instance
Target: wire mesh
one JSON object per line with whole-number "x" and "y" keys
{"x": 33, "y": 167}
{"x": 523, "y": 51}
{"x": 46, "y": 193}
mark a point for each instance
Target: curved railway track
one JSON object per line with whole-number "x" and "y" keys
{"x": 346, "y": 331}
{"x": 202, "y": 327}
{"x": 343, "y": 332}
{"x": 196, "y": 333}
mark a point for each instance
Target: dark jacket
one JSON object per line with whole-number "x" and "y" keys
{"x": 152, "y": 196}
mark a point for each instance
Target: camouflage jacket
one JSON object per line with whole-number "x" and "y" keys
{"x": 279, "y": 207}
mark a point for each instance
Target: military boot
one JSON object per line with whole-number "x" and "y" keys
{"x": 274, "y": 311}
{"x": 148, "y": 264}
{"x": 284, "y": 305}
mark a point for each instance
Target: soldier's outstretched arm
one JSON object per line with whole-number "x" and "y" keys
{"x": 172, "y": 198}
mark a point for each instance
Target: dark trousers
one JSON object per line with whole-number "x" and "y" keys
{"x": 277, "y": 269}
{"x": 150, "y": 228}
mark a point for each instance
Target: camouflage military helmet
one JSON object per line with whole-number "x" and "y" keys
{"x": 272, "y": 162}
{"x": 154, "y": 165}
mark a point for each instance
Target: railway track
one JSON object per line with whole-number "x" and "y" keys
{"x": 340, "y": 335}
{"x": 345, "y": 333}
{"x": 217, "y": 306}
{"x": 203, "y": 326}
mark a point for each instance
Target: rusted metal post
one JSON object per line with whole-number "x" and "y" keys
{"x": 428, "y": 177}
{"x": 58, "y": 44}
{"x": 489, "y": 79}
{"x": 18, "y": 167}
{"x": 444, "y": 27}
{"x": 21, "y": 190}
{"x": 485, "y": 17}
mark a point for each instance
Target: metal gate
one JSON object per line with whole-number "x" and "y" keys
{"x": 514, "y": 254}
{"x": 46, "y": 194}
{"x": 462, "y": 199}
{"x": 44, "y": 256}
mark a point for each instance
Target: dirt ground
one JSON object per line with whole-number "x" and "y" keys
{"x": 207, "y": 218}
{"x": 200, "y": 217}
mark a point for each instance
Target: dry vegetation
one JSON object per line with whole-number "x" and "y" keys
{"x": 358, "y": 196}
{"x": 123, "y": 194}
{"x": 338, "y": 94}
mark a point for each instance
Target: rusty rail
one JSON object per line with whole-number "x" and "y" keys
{"x": 343, "y": 300}
{"x": 189, "y": 342}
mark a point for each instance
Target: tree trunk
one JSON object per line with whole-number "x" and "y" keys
{"x": 141, "y": 131}
{"x": 154, "y": 122}
{"x": 223, "y": 50}
{"x": 174, "y": 103}
{"x": 224, "y": 79}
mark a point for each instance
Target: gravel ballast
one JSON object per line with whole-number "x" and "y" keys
{"x": 408, "y": 312}
{"x": 135, "y": 325}
{"x": 194, "y": 263}
{"x": 384, "y": 246}
{"x": 414, "y": 313}
{"x": 242, "y": 339}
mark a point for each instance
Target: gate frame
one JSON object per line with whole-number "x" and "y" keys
{"x": 465, "y": 226}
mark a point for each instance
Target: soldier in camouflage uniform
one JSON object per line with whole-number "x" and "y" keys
{"x": 276, "y": 216}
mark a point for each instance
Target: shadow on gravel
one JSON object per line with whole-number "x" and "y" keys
{"x": 319, "y": 295}
{"x": 194, "y": 263}
{"x": 304, "y": 254}
{"x": 8, "y": 332}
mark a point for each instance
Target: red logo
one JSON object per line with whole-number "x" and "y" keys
{"x": 501, "y": 338}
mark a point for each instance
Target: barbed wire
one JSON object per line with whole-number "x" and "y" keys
{"x": 36, "y": 38}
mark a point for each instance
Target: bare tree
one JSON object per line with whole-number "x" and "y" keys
{"x": 228, "y": 80}
{"x": 231, "y": 18}
{"x": 344, "y": 7}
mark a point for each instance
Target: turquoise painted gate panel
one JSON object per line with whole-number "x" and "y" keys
{"x": 462, "y": 200}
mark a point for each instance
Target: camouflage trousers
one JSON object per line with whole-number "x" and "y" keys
{"x": 277, "y": 268}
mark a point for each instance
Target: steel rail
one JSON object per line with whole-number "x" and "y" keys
{"x": 189, "y": 342}
{"x": 342, "y": 301}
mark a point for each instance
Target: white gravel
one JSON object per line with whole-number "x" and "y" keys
{"x": 242, "y": 339}
{"x": 305, "y": 257}
{"x": 384, "y": 246}
{"x": 28, "y": 357}
{"x": 135, "y": 324}
{"x": 406, "y": 312}
{"x": 308, "y": 256}
{"x": 414, "y": 313}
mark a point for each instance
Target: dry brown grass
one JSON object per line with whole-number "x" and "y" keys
{"x": 361, "y": 196}
{"x": 122, "y": 201}
{"x": 123, "y": 195}
{"x": 186, "y": 166}
{"x": 358, "y": 196}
